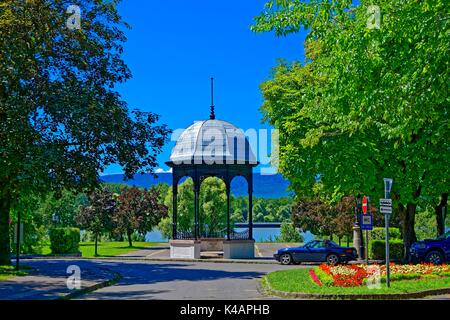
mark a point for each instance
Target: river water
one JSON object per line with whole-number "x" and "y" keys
{"x": 259, "y": 234}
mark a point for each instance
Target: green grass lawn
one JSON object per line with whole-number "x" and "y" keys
{"x": 109, "y": 249}
{"x": 299, "y": 280}
{"x": 8, "y": 272}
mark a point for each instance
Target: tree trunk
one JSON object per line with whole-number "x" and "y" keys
{"x": 340, "y": 238}
{"x": 130, "y": 243}
{"x": 409, "y": 234}
{"x": 440, "y": 220}
{"x": 348, "y": 241}
{"x": 96, "y": 242}
{"x": 5, "y": 258}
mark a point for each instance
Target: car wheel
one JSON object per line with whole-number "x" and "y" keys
{"x": 332, "y": 259}
{"x": 286, "y": 259}
{"x": 434, "y": 257}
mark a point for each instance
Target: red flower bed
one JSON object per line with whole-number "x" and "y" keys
{"x": 345, "y": 276}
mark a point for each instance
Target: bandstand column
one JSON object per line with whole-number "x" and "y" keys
{"x": 196, "y": 209}
{"x": 228, "y": 209}
{"x": 250, "y": 207}
{"x": 174, "y": 208}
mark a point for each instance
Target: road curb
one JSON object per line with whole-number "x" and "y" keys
{"x": 107, "y": 283}
{"x": 387, "y": 296}
{"x": 156, "y": 259}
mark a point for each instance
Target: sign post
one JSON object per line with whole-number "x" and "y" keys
{"x": 366, "y": 224}
{"x": 364, "y": 209}
{"x": 386, "y": 208}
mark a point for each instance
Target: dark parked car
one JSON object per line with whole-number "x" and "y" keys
{"x": 436, "y": 251}
{"x": 317, "y": 251}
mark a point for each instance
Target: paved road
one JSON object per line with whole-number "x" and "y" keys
{"x": 262, "y": 250}
{"x": 172, "y": 280}
{"x": 48, "y": 280}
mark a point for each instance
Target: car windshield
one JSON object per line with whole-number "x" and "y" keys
{"x": 444, "y": 236}
{"x": 330, "y": 243}
{"x": 320, "y": 244}
{"x": 311, "y": 244}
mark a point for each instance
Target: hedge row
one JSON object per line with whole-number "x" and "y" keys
{"x": 380, "y": 233}
{"x": 378, "y": 249}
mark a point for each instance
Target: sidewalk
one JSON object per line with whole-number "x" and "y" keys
{"x": 51, "y": 283}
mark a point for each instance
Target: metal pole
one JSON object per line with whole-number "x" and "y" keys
{"x": 367, "y": 247}
{"x": 18, "y": 242}
{"x": 386, "y": 219}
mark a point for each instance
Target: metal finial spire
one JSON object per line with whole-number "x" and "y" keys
{"x": 213, "y": 115}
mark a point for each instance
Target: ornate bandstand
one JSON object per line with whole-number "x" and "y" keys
{"x": 212, "y": 148}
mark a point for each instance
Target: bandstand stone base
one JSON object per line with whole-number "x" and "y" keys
{"x": 185, "y": 249}
{"x": 239, "y": 249}
{"x": 232, "y": 249}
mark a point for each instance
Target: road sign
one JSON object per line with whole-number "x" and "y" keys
{"x": 386, "y": 206}
{"x": 364, "y": 205}
{"x": 386, "y": 210}
{"x": 366, "y": 222}
{"x": 385, "y": 202}
{"x": 15, "y": 233}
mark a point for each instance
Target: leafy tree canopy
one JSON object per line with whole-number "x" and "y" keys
{"x": 61, "y": 119}
{"x": 366, "y": 103}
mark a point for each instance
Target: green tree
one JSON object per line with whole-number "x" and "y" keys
{"x": 61, "y": 119}
{"x": 213, "y": 206}
{"x": 289, "y": 233}
{"x": 366, "y": 103}
{"x": 185, "y": 209}
{"x": 34, "y": 224}
{"x": 64, "y": 205}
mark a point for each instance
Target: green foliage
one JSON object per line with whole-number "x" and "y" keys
{"x": 325, "y": 278}
{"x": 426, "y": 224}
{"x": 62, "y": 120}
{"x": 288, "y": 233}
{"x": 380, "y": 234}
{"x": 213, "y": 206}
{"x": 378, "y": 249}
{"x": 65, "y": 205}
{"x": 64, "y": 240}
{"x": 34, "y": 226}
{"x": 366, "y": 103}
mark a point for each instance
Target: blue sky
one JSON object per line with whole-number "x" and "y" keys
{"x": 173, "y": 49}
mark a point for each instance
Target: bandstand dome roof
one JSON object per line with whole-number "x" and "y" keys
{"x": 212, "y": 142}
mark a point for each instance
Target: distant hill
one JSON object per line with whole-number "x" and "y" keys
{"x": 264, "y": 186}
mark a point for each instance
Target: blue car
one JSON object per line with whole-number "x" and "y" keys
{"x": 436, "y": 251}
{"x": 316, "y": 251}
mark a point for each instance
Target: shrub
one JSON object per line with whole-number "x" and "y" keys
{"x": 64, "y": 240}
{"x": 377, "y": 250}
{"x": 379, "y": 234}
{"x": 34, "y": 238}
